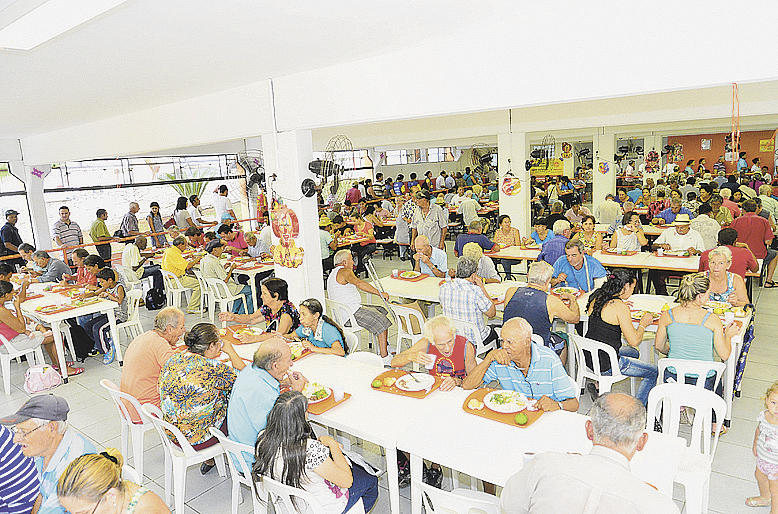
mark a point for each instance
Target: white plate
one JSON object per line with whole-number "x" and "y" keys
{"x": 679, "y": 253}
{"x": 407, "y": 383}
{"x": 296, "y": 348}
{"x": 515, "y": 401}
{"x": 409, "y": 274}
{"x": 315, "y": 386}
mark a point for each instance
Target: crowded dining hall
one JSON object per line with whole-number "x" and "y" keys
{"x": 249, "y": 264}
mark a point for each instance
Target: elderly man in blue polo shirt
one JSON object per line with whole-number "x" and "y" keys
{"x": 578, "y": 270}
{"x": 256, "y": 389}
{"x": 429, "y": 260}
{"x": 555, "y": 248}
{"x": 529, "y": 368}
{"x": 668, "y": 215}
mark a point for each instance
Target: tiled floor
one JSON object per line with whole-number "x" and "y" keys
{"x": 93, "y": 414}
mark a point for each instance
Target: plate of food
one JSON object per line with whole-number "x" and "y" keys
{"x": 316, "y": 392}
{"x": 677, "y": 253}
{"x": 255, "y": 331}
{"x": 569, "y": 290}
{"x": 45, "y": 309}
{"x": 85, "y": 301}
{"x": 410, "y": 274}
{"x": 415, "y": 382}
{"x": 618, "y": 251}
{"x": 222, "y": 332}
{"x": 505, "y": 401}
{"x": 297, "y": 349}
{"x": 638, "y": 315}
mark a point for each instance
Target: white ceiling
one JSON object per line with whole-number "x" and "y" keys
{"x": 146, "y": 53}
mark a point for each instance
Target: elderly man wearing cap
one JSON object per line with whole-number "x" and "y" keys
{"x": 9, "y": 234}
{"x": 211, "y": 267}
{"x": 41, "y": 430}
{"x": 680, "y": 237}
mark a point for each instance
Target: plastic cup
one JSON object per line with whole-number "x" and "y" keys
{"x": 729, "y": 317}
{"x": 337, "y": 394}
{"x": 660, "y": 252}
{"x": 431, "y": 364}
{"x": 395, "y": 273}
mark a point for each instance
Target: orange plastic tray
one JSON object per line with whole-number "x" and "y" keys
{"x": 415, "y": 279}
{"x": 397, "y": 373}
{"x": 508, "y": 419}
{"x": 322, "y": 407}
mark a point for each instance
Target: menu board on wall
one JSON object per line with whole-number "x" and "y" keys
{"x": 767, "y": 145}
{"x": 705, "y": 144}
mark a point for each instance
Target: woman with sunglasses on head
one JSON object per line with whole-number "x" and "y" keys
{"x": 317, "y": 331}
{"x": 288, "y": 451}
{"x": 92, "y": 483}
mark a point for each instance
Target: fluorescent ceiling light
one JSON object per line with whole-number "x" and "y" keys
{"x": 51, "y": 19}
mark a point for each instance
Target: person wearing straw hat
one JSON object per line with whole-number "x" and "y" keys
{"x": 680, "y": 237}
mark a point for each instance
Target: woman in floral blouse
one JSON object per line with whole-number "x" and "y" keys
{"x": 505, "y": 236}
{"x": 194, "y": 386}
{"x": 280, "y": 315}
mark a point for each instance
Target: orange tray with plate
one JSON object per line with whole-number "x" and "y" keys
{"x": 397, "y": 373}
{"x": 47, "y": 309}
{"x": 576, "y": 294}
{"x": 670, "y": 255}
{"x": 637, "y": 315}
{"x": 486, "y": 412}
{"x": 414, "y": 279}
{"x": 33, "y": 297}
{"x": 322, "y": 407}
{"x": 609, "y": 251}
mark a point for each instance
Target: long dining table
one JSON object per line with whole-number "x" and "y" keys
{"x": 438, "y": 429}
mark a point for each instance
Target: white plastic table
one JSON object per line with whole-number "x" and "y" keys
{"x": 428, "y": 289}
{"x": 55, "y": 320}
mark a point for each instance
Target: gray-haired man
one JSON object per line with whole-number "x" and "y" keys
{"x": 600, "y": 481}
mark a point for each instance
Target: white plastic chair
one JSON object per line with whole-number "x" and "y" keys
{"x": 179, "y": 458}
{"x": 352, "y": 341}
{"x": 220, "y": 294}
{"x": 131, "y": 431}
{"x": 240, "y": 472}
{"x": 695, "y": 467}
{"x": 175, "y": 291}
{"x": 281, "y": 495}
{"x": 131, "y": 279}
{"x": 205, "y": 293}
{"x": 458, "y": 501}
{"x": 343, "y": 316}
{"x": 132, "y": 326}
{"x": 684, "y": 368}
{"x": 370, "y": 358}
{"x": 471, "y": 332}
{"x": 591, "y": 347}
{"x": 131, "y": 474}
{"x": 8, "y": 352}
{"x": 405, "y": 318}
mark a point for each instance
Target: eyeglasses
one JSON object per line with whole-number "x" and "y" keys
{"x": 22, "y": 433}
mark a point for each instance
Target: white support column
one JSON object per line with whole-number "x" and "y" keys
{"x": 287, "y": 154}
{"x": 514, "y": 146}
{"x": 41, "y": 231}
{"x": 603, "y": 183}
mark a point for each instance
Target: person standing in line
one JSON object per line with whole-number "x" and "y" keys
{"x": 99, "y": 232}
{"x": 221, "y": 204}
{"x": 129, "y": 226}
{"x": 66, "y": 232}
{"x": 11, "y": 239}
{"x": 154, "y": 220}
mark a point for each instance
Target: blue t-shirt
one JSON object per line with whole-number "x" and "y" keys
{"x": 553, "y": 249}
{"x": 463, "y": 239}
{"x": 535, "y": 237}
{"x": 253, "y": 395}
{"x": 439, "y": 260}
{"x": 634, "y": 194}
{"x": 669, "y": 216}
{"x": 577, "y": 277}
{"x": 398, "y": 188}
{"x": 329, "y": 335}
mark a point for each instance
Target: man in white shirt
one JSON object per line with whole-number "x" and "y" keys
{"x": 458, "y": 198}
{"x": 608, "y": 212}
{"x": 450, "y": 182}
{"x": 195, "y": 214}
{"x": 678, "y": 238}
{"x": 440, "y": 182}
{"x": 468, "y": 208}
{"x": 131, "y": 258}
{"x": 265, "y": 239}
{"x": 600, "y": 481}
{"x": 221, "y": 204}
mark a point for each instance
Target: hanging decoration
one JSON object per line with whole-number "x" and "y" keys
{"x": 567, "y": 150}
{"x": 652, "y": 161}
{"x": 603, "y": 167}
{"x": 511, "y": 186}
{"x": 735, "y": 134}
{"x": 286, "y": 228}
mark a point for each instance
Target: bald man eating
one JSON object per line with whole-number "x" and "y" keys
{"x": 256, "y": 389}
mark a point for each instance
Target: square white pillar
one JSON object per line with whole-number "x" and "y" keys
{"x": 604, "y": 146}
{"x": 287, "y": 155}
{"x": 514, "y": 147}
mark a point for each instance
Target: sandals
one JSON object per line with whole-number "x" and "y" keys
{"x": 758, "y": 501}
{"x": 76, "y": 371}
{"x": 769, "y": 284}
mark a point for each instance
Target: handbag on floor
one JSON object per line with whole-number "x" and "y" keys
{"x": 41, "y": 378}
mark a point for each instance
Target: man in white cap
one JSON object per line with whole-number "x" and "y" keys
{"x": 40, "y": 428}
{"x": 681, "y": 237}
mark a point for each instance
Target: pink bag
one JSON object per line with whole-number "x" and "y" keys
{"x": 41, "y": 378}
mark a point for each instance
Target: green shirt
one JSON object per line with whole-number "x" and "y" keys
{"x": 494, "y": 196}
{"x": 99, "y": 231}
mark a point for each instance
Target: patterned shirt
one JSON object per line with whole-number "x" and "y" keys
{"x": 19, "y": 482}
{"x": 546, "y": 376}
{"x": 465, "y": 301}
{"x": 193, "y": 392}
{"x": 272, "y": 319}
{"x": 68, "y": 233}
{"x": 432, "y": 224}
{"x": 129, "y": 224}
{"x": 71, "y": 446}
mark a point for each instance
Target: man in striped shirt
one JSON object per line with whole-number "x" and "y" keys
{"x": 19, "y": 482}
{"x": 66, "y": 232}
{"x": 40, "y": 428}
{"x": 527, "y": 367}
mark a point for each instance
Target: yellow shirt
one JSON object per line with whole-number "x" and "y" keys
{"x": 174, "y": 262}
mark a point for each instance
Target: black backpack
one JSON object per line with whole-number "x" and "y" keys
{"x": 155, "y": 299}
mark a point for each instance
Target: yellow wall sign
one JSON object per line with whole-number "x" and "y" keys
{"x": 767, "y": 145}
{"x": 539, "y": 168}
